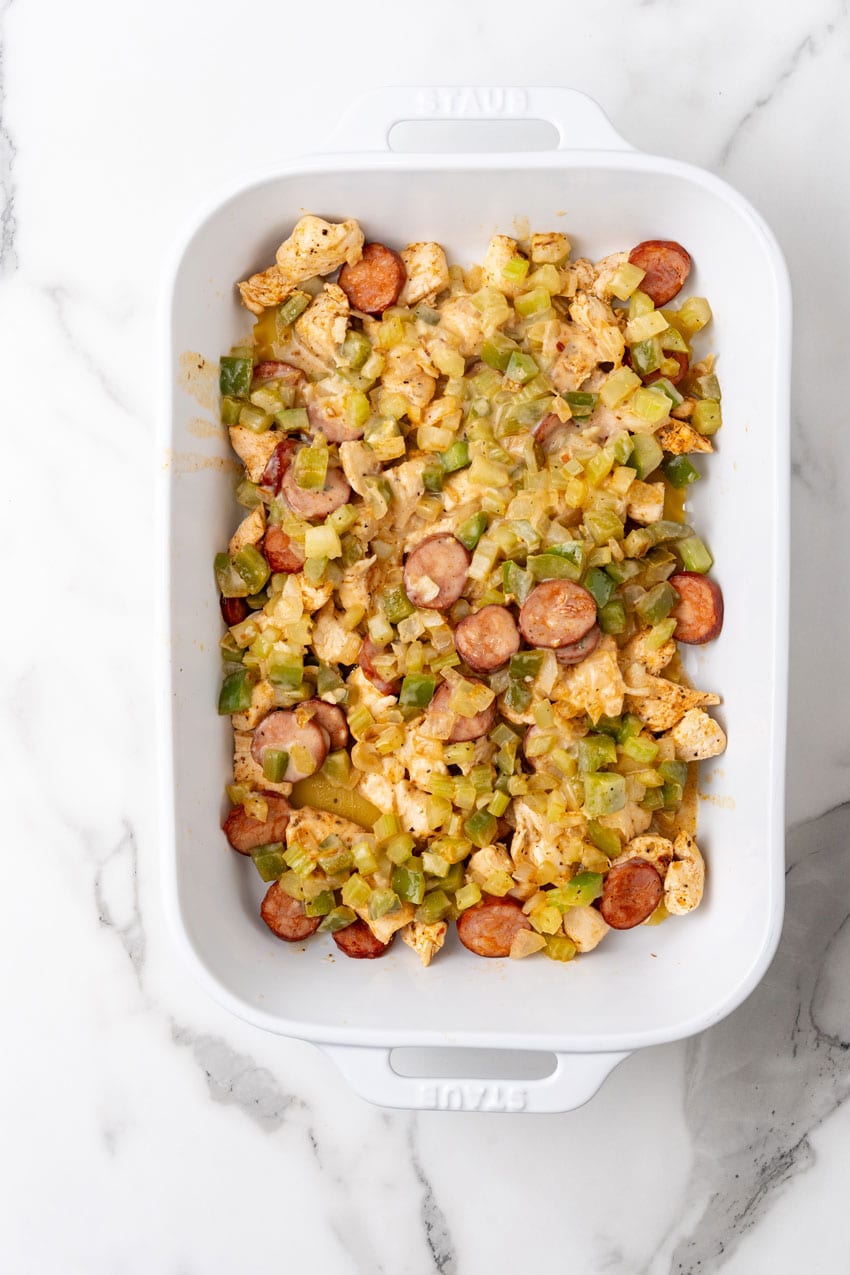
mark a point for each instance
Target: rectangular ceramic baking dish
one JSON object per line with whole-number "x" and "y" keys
{"x": 640, "y": 988}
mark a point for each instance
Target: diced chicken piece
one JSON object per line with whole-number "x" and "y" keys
{"x": 323, "y": 324}
{"x": 656, "y": 850}
{"x": 358, "y": 463}
{"x": 599, "y": 321}
{"x": 629, "y": 822}
{"x": 679, "y": 438}
{"x": 385, "y": 926}
{"x": 595, "y": 686}
{"x": 586, "y": 927}
{"x": 354, "y": 588}
{"x": 253, "y": 449}
{"x": 537, "y": 840}
{"x": 426, "y": 940}
{"x": 250, "y": 531}
{"x": 407, "y": 486}
{"x": 427, "y": 273}
{"x": 685, "y": 879}
{"x": 579, "y": 276}
{"x": 308, "y": 828}
{"x": 262, "y": 702}
{"x": 605, "y": 271}
{"x": 314, "y": 596}
{"x": 549, "y": 248}
{"x": 459, "y": 490}
{"x": 363, "y": 692}
{"x": 661, "y": 704}
{"x": 245, "y": 769}
{"x": 645, "y": 502}
{"x": 318, "y": 247}
{"x": 421, "y": 757}
{"x": 697, "y": 736}
{"x": 411, "y": 807}
{"x": 500, "y": 250}
{"x": 333, "y": 643}
{"x": 405, "y": 373}
{"x": 487, "y": 862}
{"x": 576, "y": 360}
{"x": 462, "y": 321}
{"x": 265, "y": 289}
{"x": 638, "y": 651}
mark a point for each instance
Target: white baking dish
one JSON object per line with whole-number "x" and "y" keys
{"x": 640, "y": 988}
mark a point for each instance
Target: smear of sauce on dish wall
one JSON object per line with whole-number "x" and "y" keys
{"x": 194, "y": 462}
{"x": 199, "y": 377}
{"x": 199, "y": 427}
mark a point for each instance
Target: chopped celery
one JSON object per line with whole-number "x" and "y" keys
{"x": 516, "y": 582}
{"x": 432, "y": 478}
{"x": 581, "y": 890}
{"x": 409, "y": 884}
{"x": 248, "y": 494}
{"x": 397, "y": 605}
{"x": 675, "y": 772}
{"x": 355, "y": 349}
{"x": 356, "y": 892}
{"x": 604, "y": 794}
{"x": 252, "y": 567}
{"x": 517, "y": 697}
{"x": 497, "y": 350}
{"x": 456, "y": 457}
{"x": 417, "y": 690}
{"x": 269, "y": 861}
{"x": 275, "y": 762}
{"x": 600, "y": 586}
{"x": 653, "y": 799}
{"x": 337, "y": 859}
{"x": 399, "y": 848}
{"x": 552, "y": 566}
{"x": 709, "y": 386}
{"x": 285, "y": 668}
{"x": 680, "y": 471}
{"x": 707, "y": 416}
{"x": 603, "y": 525}
{"x": 533, "y": 302}
{"x": 521, "y": 368}
{"x": 435, "y": 864}
{"x": 599, "y": 466}
{"x": 467, "y": 896}
{"x": 228, "y": 580}
{"x": 657, "y": 603}
{"x": 337, "y": 919}
{"x": 669, "y": 389}
{"x": 650, "y": 404}
{"x": 515, "y": 270}
{"x": 382, "y": 902}
{"x": 671, "y": 339}
{"x": 645, "y": 326}
{"x": 694, "y": 555}
{"x": 236, "y": 692}
{"x": 646, "y": 356}
{"x": 640, "y": 748}
{"x": 293, "y": 420}
{"x": 254, "y": 418}
{"x": 235, "y": 375}
{"x": 646, "y": 454}
{"x": 581, "y": 403}
{"x": 310, "y": 468}
{"x": 617, "y": 386}
{"x": 321, "y": 904}
{"x": 559, "y": 948}
{"x": 471, "y": 530}
{"x": 386, "y": 826}
{"x": 596, "y": 751}
{"x": 298, "y": 859}
{"x": 230, "y": 409}
{"x": 322, "y": 542}
{"x": 480, "y": 828}
{"x": 605, "y": 839}
{"x": 630, "y": 727}
{"x": 625, "y": 279}
{"x": 433, "y": 907}
{"x": 363, "y": 854}
{"x": 693, "y": 316}
{"x": 289, "y": 311}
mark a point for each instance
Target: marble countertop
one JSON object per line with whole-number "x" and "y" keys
{"x": 144, "y": 1129}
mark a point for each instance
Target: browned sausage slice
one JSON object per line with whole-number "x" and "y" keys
{"x": 233, "y": 610}
{"x": 333, "y": 424}
{"x": 374, "y": 282}
{"x": 365, "y": 659}
{"x": 278, "y": 463}
{"x": 435, "y": 572}
{"x": 699, "y": 611}
{"x": 286, "y": 917}
{"x": 316, "y": 505}
{"x": 285, "y": 730}
{"x": 487, "y": 639}
{"x": 489, "y": 928}
{"x": 358, "y": 941}
{"x": 464, "y": 728}
{"x": 667, "y": 266}
{"x": 578, "y": 651}
{"x": 331, "y": 719}
{"x": 557, "y": 613}
{"x": 245, "y": 833}
{"x": 282, "y": 552}
{"x": 632, "y": 891}
{"x": 275, "y": 370}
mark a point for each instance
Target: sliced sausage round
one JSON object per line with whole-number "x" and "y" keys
{"x": 275, "y": 370}
{"x": 282, "y": 552}
{"x": 245, "y": 833}
{"x": 286, "y": 917}
{"x": 489, "y": 927}
{"x": 333, "y": 425}
{"x": 331, "y": 719}
{"x": 667, "y": 266}
{"x": 578, "y": 651}
{"x": 365, "y": 659}
{"x": 284, "y": 729}
{"x": 278, "y": 463}
{"x": 557, "y": 613}
{"x": 358, "y": 942}
{"x": 464, "y": 728}
{"x": 632, "y": 891}
{"x": 312, "y": 504}
{"x": 683, "y": 362}
{"x": 699, "y": 611}
{"x": 435, "y": 572}
{"x": 374, "y": 282}
{"x": 233, "y": 610}
{"x": 487, "y": 639}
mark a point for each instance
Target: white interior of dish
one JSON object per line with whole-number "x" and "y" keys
{"x": 642, "y": 986}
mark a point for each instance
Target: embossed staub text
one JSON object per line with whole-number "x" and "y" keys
{"x": 471, "y": 1096}
{"x": 472, "y": 102}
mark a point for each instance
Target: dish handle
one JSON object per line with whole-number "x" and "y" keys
{"x": 580, "y": 121}
{"x": 575, "y": 1079}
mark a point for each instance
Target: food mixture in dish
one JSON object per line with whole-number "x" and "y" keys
{"x": 454, "y": 602}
